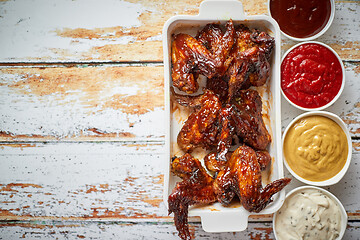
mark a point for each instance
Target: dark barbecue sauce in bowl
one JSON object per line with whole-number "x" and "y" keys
{"x": 301, "y": 18}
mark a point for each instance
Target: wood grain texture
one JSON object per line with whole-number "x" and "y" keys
{"x": 118, "y": 31}
{"x": 77, "y": 180}
{"x": 104, "y": 181}
{"x": 81, "y": 103}
{"x": 110, "y": 103}
{"x": 81, "y": 119}
{"x": 135, "y": 231}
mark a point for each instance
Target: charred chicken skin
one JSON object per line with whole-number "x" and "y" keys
{"x": 195, "y": 188}
{"x": 242, "y": 177}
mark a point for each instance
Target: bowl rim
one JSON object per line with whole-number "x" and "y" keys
{"x": 335, "y": 179}
{"x": 344, "y": 216}
{"x": 319, "y": 34}
{"x": 342, "y": 83}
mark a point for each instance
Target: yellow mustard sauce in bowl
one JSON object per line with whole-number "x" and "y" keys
{"x": 315, "y": 148}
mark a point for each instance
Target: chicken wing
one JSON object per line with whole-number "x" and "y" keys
{"x": 195, "y": 188}
{"x": 218, "y": 42}
{"x": 206, "y": 54}
{"x": 248, "y": 119}
{"x": 250, "y": 59}
{"x": 200, "y": 129}
{"x": 189, "y": 56}
{"x": 243, "y": 118}
{"x": 242, "y": 177}
{"x": 215, "y": 165}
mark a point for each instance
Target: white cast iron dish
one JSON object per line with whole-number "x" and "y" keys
{"x": 215, "y": 217}
{"x": 344, "y": 218}
{"x": 335, "y": 179}
{"x": 342, "y": 83}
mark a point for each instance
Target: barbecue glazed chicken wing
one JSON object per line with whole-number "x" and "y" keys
{"x": 195, "y": 188}
{"x": 189, "y": 58}
{"x": 219, "y": 43}
{"x": 215, "y": 165}
{"x": 248, "y": 120}
{"x": 250, "y": 59}
{"x": 206, "y": 56}
{"x": 242, "y": 177}
{"x": 200, "y": 129}
{"x": 243, "y": 118}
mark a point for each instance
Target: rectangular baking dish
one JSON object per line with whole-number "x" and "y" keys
{"x": 215, "y": 217}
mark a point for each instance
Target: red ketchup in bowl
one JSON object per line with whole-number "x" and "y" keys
{"x": 311, "y": 75}
{"x": 301, "y": 18}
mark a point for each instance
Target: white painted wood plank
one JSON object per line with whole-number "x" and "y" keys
{"x": 116, "y": 103}
{"x": 31, "y": 26}
{"x": 82, "y": 180}
{"x": 129, "y": 231}
{"x": 111, "y": 30}
{"x": 61, "y": 103}
{"x": 105, "y": 180}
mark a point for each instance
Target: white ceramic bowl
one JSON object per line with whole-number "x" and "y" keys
{"x": 343, "y": 78}
{"x": 344, "y": 217}
{"x": 335, "y": 179}
{"x": 331, "y": 18}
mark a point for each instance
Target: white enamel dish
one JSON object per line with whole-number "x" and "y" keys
{"x": 215, "y": 217}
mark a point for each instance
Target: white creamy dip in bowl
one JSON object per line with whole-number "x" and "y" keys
{"x": 310, "y": 213}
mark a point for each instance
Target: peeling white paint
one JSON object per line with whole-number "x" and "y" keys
{"x": 69, "y": 115}
{"x": 28, "y": 28}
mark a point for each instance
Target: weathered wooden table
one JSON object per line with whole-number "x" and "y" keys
{"x": 81, "y": 103}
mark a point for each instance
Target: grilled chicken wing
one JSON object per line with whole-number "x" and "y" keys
{"x": 215, "y": 165}
{"x": 250, "y": 59}
{"x": 200, "y": 129}
{"x": 204, "y": 55}
{"x": 242, "y": 118}
{"x": 217, "y": 41}
{"x": 189, "y": 56}
{"x": 195, "y": 188}
{"x": 248, "y": 120}
{"x": 242, "y": 177}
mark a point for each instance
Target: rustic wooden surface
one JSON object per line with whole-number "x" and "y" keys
{"x": 81, "y": 126}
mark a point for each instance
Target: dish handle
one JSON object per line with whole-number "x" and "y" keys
{"x": 221, "y": 9}
{"x": 224, "y": 222}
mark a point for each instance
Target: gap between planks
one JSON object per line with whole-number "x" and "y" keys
{"x": 98, "y": 64}
{"x": 81, "y": 64}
